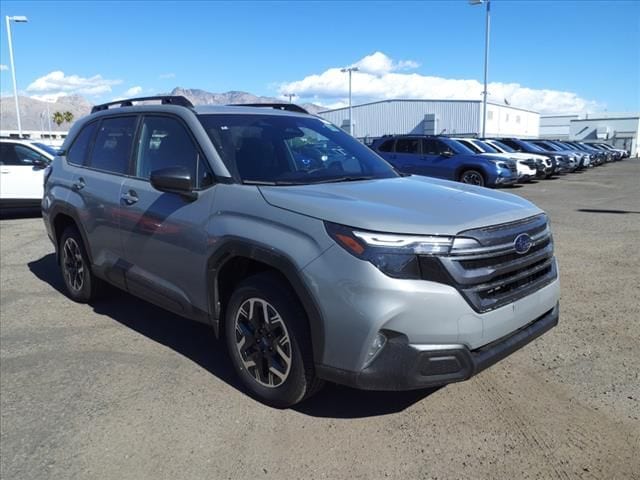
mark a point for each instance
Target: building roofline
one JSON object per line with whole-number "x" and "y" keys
{"x": 425, "y": 100}
{"x": 634, "y": 117}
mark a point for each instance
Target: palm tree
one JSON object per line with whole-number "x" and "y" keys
{"x": 68, "y": 117}
{"x": 58, "y": 118}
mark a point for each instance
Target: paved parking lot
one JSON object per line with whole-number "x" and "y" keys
{"x": 121, "y": 389}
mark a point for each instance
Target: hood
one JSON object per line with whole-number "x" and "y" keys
{"x": 414, "y": 205}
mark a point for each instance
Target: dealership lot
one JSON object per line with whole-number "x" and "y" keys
{"x": 122, "y": 389}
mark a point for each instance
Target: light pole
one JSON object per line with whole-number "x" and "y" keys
{"x": 18, "y": 19}
{"x": 486, "y": 60}
{"x": 350, "y": 70}
{"x": 290, "y": 95}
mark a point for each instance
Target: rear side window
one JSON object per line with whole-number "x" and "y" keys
{"x": 112, "y": 148}
{"x": 164, "y": 142}
{"x": 77, "y": 154}
{"x": 386, "y": 146}
{"x": 408, "y": 145}
{"x": 8, "y": 155}
{"x": 433, "y": 147}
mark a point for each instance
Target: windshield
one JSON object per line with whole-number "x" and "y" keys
{"x": 548, "y": 146}
{"x": 502, "y": 146}
{"x": 291, "y": 150}
{"x": 533, "y": 147}
{"x": 488, "y": 148}
{"x": 458, "y": 147}
{"x": 47, "y": 148}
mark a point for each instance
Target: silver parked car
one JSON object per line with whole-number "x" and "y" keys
{"x": 309, "y": 254}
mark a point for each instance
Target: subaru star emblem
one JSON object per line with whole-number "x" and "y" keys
{"x": 522, "y": 243}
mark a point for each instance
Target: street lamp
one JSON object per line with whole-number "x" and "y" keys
{"x": 486, "y": 61}
{"x": 350, "y": 70}
{"x": 290, "y": 95}
{"x": 17, "y": 19}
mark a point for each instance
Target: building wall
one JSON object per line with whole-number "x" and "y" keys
{"x": 507, "y": 121}
{"x": 621, "y": 132}
{"x": 448, "y": 117}
{"x": 556, "y": 126}
{"x": 408, "y": 116}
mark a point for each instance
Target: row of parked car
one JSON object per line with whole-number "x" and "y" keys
{"x": 491, "y": 162}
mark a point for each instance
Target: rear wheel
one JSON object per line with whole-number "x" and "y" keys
{"x": 81, "y": 284}
{"x": 472, "y": 177}
{"x": 267, "y": 335}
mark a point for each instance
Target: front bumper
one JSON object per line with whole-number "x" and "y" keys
{"x": 402, "y": 366}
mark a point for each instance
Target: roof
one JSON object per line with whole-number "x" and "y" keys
{"x": 418, "y": 100}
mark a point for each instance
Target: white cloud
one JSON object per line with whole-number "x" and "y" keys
{"x": 165, "y": 76}
{"x": 57, "y": 83}
{"x": 3, "y": 67}
{"x": 133, "y": 91}
{"x": 380, "y": 78}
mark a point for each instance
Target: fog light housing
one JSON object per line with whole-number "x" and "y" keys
{"x": 376, "y": 347}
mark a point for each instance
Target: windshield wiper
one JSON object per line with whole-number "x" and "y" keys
{"x": 271, "y": 183}
{"x": 343, "y": 179}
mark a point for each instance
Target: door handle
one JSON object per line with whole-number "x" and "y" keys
{"x": 130, "y": 197}
{"x": 79, "y": 185}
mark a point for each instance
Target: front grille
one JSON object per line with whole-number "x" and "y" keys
{"x": 494, "y": 274}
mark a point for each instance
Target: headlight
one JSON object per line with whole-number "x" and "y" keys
{"x": 395, "y": 255}
{"x": 558, "y": 158}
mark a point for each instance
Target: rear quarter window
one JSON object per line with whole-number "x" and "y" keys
{"x": 78, "y": 153}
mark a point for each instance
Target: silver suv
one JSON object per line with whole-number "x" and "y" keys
{"x": 309, "y": 254}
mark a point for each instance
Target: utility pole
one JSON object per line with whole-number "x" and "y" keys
{"x": 350, "y": 70}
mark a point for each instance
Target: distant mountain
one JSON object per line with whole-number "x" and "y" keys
{"x": 202, "y": 97}
{"x": 33, "y": 113}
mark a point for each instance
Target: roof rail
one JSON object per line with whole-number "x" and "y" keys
{"x": 290, "y": 107}
{"x": 164, "y": 99}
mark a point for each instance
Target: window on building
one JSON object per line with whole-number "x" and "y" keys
{"x": 489, "y": 114}
{"x": 517, "y": 118}
{"x": 506, "y": 117}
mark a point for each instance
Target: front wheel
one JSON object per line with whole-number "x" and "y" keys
{"x": 472, "y": 177}
{"x": 268, "y": 339}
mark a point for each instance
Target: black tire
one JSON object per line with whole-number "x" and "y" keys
{"x": 81, "y": 284}
{"x": 472, "y": 177}
{"x": 268, "y": 294}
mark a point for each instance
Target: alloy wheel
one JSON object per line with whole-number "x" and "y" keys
{"x": 263, "y": 342}
{"x": 472, "y": 178}
{"x": 73, "y": 264}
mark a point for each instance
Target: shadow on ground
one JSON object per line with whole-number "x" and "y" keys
{"x": 197, "y": 342}
{"x": 15, "y": 213}
{"x": 601, "y": 210}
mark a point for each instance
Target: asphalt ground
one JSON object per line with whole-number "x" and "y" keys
{"x": 123, "y": 390}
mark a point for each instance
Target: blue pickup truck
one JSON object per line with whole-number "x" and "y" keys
{"x": 443, "y": 157}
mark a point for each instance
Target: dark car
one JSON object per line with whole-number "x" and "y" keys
{"x": 598, "y": 156}
{"x": 571, "y": 156}
{"x": 442, "y": 157}
{"x": 561, "y": 162}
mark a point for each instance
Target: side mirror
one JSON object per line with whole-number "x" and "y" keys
{"x": 39, "y": 164}
{"x": 174, "y": 180}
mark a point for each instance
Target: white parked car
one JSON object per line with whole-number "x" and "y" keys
{"x": 526, "y": 166}
{"x": 22, "y": 166}
{"x": 543, "y": 162}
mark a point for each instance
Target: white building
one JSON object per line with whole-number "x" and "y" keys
{"x": 621, "y": 130}
{"x": 54, "y": 138}
{"x": 432, "y": 117}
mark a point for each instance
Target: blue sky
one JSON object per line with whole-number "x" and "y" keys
{"x": 545, "y": 55}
